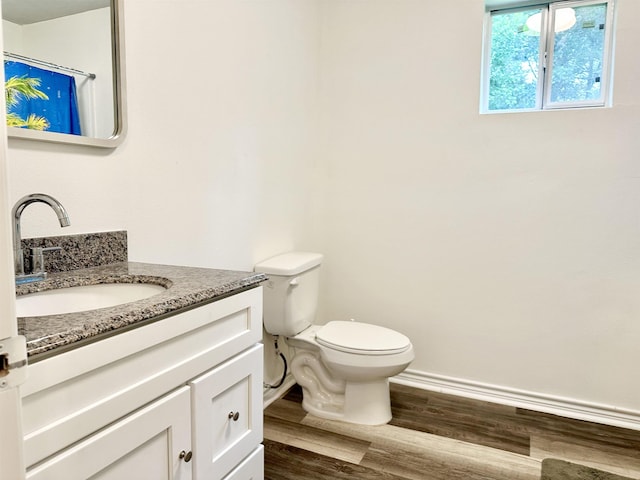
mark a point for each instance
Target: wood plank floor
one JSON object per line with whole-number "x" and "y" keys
{"x": 433, "y": 436}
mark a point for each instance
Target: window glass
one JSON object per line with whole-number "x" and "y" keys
{"x": 514, "y": 65}
{"x": 578, "y": 55}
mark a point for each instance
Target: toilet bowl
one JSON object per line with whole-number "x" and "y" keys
{"x": 341, "y": 379}
{"x": 343, "y": 367}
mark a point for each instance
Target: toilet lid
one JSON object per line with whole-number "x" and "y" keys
{"x": 362, "y": 338}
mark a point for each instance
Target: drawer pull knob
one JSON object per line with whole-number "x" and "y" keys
{"x": 234, "y": 416}
{"x": 186, "y": 456}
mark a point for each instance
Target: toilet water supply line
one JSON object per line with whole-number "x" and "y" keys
{"x": 284, "y": 360}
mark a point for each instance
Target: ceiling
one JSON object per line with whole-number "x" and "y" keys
{"x": 31, "y": 11}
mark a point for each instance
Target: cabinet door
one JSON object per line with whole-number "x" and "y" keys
{"x": 251, "y": 468}
{"x": 143, "y": 445}
{"x": 227, "y": 414}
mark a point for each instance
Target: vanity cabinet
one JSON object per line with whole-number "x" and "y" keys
{"x": 179, "y": 398}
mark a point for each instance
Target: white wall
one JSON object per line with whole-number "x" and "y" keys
{"x": 507, "y": 247}
{"x": 11, "y": 37}
{"x": 11, "y": 455}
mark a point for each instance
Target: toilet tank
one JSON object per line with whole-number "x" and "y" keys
{"x": 291, "y": 293}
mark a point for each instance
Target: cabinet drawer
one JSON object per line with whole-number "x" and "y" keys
{"x": 227, "y": 415}
{"x": 251, "y": 468}
{"x": 146, "y": 444}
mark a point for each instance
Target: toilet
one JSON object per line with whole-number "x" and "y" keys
{"x": 343, "y": 367}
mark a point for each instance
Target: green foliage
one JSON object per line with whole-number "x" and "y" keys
{"x": 515, "y": 51}
{"x": 18, "y": 88}
{"x": 578, "y": 55}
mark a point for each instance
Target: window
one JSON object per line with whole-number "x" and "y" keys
{"x": 555, "y": 55}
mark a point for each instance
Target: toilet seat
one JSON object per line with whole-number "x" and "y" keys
{"x": 362, "y": 338}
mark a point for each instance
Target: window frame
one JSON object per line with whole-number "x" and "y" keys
{"x": 545, "y": 56}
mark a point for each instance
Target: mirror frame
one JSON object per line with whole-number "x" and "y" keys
{"x": 119, "y": 96}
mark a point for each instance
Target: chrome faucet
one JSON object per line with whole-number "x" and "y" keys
{"x": 16, "y": 213}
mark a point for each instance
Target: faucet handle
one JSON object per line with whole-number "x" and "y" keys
{"x": 37, "y": 258}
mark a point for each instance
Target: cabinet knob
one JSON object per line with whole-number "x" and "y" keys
{"x": 186, "y": 456}
{"x": 234, "y": 416}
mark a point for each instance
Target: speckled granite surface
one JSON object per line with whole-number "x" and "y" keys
{"x": 186, "y": 287}
{"x": 79, "y": 251}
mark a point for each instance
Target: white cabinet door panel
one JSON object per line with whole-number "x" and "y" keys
{"x": 227, "y": 414}
{"x": 251, "y": 468}
{"x": 143, "y": 445}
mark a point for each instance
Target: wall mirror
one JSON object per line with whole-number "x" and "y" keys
{"x": 64, "y": 71}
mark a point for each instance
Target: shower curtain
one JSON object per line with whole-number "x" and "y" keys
{"x": 60, "y": 109}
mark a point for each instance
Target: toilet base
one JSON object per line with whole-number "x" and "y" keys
{"x": 344, "y": 386}
{"x": 365, "y": 403}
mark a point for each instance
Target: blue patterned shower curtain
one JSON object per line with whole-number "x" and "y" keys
{"x": 60, "y": 110}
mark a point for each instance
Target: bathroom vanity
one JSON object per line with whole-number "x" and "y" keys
{"x": 169, "y": 386}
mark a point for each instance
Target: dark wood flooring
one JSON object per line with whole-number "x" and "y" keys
{"x": 433, "y": 436}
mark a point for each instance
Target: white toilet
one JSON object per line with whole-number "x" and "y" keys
{"x": 343, "y": 367}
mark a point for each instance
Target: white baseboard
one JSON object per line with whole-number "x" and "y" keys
{"x": 564, "y": 407}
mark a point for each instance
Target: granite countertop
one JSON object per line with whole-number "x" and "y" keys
{"x": 186, "y": 287}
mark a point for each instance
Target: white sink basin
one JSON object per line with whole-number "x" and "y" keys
{"x": 81, "y": 298}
